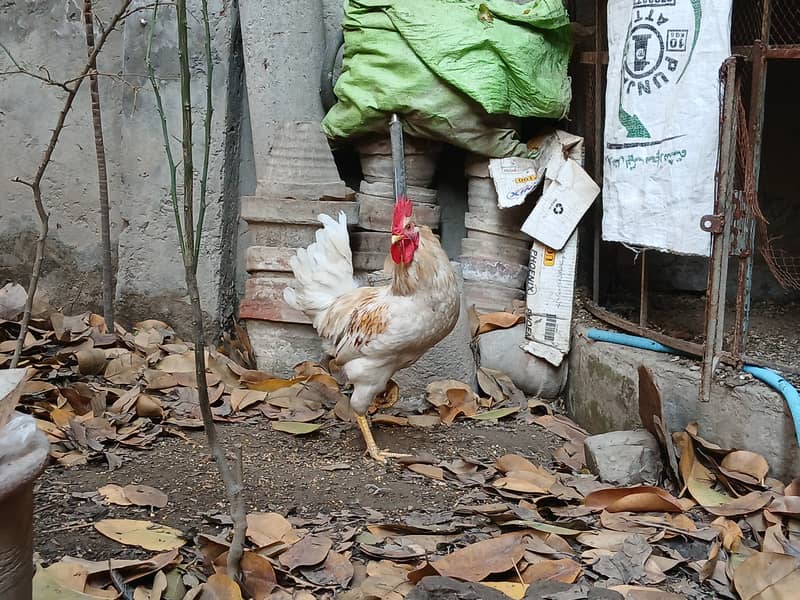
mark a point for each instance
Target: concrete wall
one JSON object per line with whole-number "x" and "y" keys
{"x": 150, "y": 272}
{"x": 604, "y": 396}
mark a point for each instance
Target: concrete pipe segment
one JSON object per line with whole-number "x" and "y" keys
{"x": 23, "y": 454}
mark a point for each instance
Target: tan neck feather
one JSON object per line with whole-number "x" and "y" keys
{"x": 429, "y": 268}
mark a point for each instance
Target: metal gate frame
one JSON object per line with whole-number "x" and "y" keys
{"x": 732, "y": 225}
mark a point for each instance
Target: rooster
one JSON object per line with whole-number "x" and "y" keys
{"x": 373, "y": 332}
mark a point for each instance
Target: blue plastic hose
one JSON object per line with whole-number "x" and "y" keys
{"x": 768, "y": 376}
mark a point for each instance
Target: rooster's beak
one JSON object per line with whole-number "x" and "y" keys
{"x": 396, "y": 238}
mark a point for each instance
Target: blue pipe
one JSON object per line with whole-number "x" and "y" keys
{"x": 768, "y": 376}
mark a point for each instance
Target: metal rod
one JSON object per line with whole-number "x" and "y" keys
{"x": 598, "y": 149}
{"x": 643, "y": 292}
{"x": 721, "y": 240}
{"x": 689, "y": 348}
{"x": 398, "y": 157}
{"x": 744, "y": 278}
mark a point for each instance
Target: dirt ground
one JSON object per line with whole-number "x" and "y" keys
{"x": 282, "y": 473}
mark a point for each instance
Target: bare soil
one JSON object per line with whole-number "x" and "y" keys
{"x": 282, "y": 473}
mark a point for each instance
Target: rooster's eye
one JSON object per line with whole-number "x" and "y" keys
{"x": 409, "y": 226}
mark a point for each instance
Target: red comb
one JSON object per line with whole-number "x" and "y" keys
{"x": 402, "y": 209}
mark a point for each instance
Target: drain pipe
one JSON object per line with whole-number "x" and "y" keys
{"x": 771, "y": 378}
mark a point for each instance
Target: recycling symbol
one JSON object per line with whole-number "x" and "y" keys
{"x": 558, "y": 208}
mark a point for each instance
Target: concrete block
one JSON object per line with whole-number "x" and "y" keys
{"x": 603, "y": 395}
{"x": 480, "y": 222}
{"x": 624, "y": 457}
{"x": 280, "y": 346}
{"x": 488, "y": 249}
{"x": 263, "y": 299}
{"x": 375, "y": 213}
{"x": 494, "y": 270}
{"x": 500, "y": 350}
{"x": 266, "y": 258}
{"x": 385, "y": 189}
{"x": 259, "y": 209}
{"x": 420, "y": 157}
{"x": 500, "y": 239}
{"x": 489, "y": 297}
{"x": 281, "y": 234}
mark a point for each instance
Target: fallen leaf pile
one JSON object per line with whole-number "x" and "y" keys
{"x": 93, "y": 391}
{"x": 717, "y": 527}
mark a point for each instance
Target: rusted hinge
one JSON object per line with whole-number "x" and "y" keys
{"x": 712, "y": 223}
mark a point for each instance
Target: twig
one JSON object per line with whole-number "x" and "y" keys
{"x": 201, "y": 213}
{"x": 173, "y": 183}
{"x": 190, "y": 236}
{"x": 102, "y": 174}
{"x": 35, "y": 184}
{"x": 238, "y": 513}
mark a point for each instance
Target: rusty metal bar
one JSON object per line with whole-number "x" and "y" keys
{"x": 689, "y": 348}
{"x": 643, "y": 291}
{"x": 599, "y": 97}
{"x": 784, "y": 52}
{"x": 744, "y": 280}
{"x": 720, "y": 225}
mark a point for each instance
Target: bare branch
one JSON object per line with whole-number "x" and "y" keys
{"x": 102, "y": 175}
{"x": 35, "y": 184}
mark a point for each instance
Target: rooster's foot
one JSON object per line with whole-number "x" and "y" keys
{"x": 375, "y": 452}
{"x": 381, "y": 455}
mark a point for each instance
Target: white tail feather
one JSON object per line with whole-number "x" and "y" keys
{"x": 324, "y": 270}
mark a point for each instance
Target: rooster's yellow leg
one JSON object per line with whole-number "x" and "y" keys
{"x": 375, "y": 452}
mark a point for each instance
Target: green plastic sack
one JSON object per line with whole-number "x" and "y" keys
{"x": 456, "y": 71}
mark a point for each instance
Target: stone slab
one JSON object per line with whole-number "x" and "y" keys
{"x": 260, "y": 209}
{"x": 375, "y": 213}
{"x": 280, "y": 346}
{"x": 624, "y": 457}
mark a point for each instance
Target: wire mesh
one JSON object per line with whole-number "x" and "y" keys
{"x": 746, "y": 22}
{"x": 785, "y": 23}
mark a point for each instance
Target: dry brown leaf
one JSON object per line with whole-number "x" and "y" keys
{"x": 149, "y": 406}
{"x": 640, "y": 592}
{"x": 729, "y": 533}
{"x": 604, "y": 539}
{"x": 258, "y": 574}
{"x": 270, "y": 385}
{"x": 497, "y": 320}
{"x": 741, "y": 506}
{"x": 642, "y": 498}
{"x": 145, "y": 534}
{"x": 793, "y": 489}
{"x": 309, "y": 551}
{"x": 91, "y": 361}
{"x": 785, "y": 505}
{"x": 562, "y": 427}
{"x": 390, "y": 420}
{"x": 336, "y": 570}
{"x": 429, "y": 471}
{"x": 477, "y": 561}
{"x": 144, "y": 495}
{"x": 564, "y": 570}
{"x": 241, "y": 398}
{"x": 746, "y": 463}
{"x": 220, "y": 587}
{"x": 265, "y": 529}
{"x": 114, "y": 494}
{"x": 532, "y": 482}
{"x": 768, "y": 576}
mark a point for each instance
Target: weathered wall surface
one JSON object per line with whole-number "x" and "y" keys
{"x": 604, "y": 396}
{"x": 150, "y": 272}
